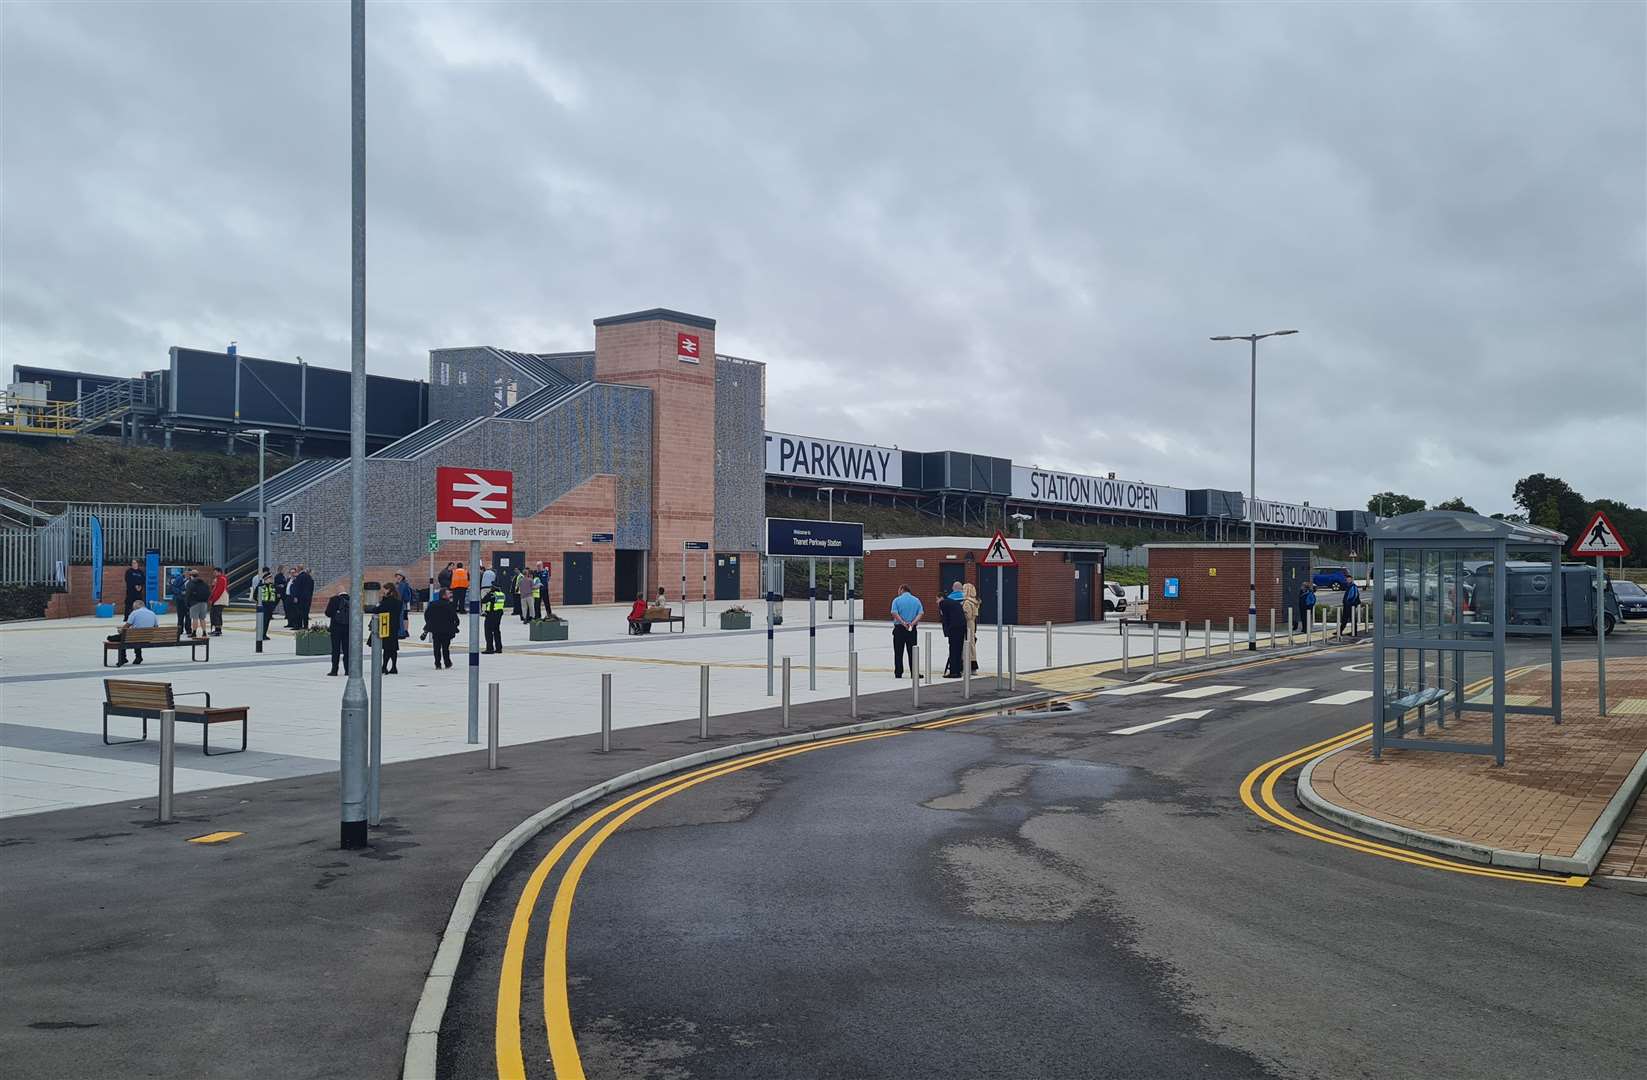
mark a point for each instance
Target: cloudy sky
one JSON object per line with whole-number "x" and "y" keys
{"x": 1000, "y": 229}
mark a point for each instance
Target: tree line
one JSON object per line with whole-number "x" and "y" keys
{"x": 1543, "y": 500}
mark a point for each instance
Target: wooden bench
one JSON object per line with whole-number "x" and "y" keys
{"x": 658, "y": 615}
{"x": 158, "y": 637}
{"x": 147, "y": 700}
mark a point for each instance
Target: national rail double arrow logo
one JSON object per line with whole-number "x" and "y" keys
{"x": 482, "y": 499}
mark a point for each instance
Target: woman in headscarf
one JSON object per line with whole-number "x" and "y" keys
{"x": 970, "y": 605}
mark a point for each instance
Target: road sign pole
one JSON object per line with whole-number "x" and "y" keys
{"x": 1601, "y": 630}
{"x": 374, "y": 746}
{"x": 473, "y": 597}
{"x": 1000, "y": 620}
{"x": 705, "y": 587}
{"x": 812, "y": 624}
{"x": 851, "y": 605}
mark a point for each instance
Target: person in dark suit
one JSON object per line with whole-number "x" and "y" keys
{"x": 337, "y": 615}
{"x": 440, "y": 621}
{"x": 952, "y": 615}
{"x": 135, "y": 581}
{"x": 300, "y": 594}
{"x": 390, "y": 603}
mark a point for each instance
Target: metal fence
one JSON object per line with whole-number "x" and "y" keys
{"x": 34, "y": 554}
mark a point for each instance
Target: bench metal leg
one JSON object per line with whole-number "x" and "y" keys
{"x": 206, "y": 740}
{"x": 122, "y": 742}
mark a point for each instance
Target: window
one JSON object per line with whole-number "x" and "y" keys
{"x": 463, "y": 377}
{"x": 445, "y": 373}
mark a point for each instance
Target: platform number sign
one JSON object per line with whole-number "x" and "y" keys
{"x": 288, "y": 523}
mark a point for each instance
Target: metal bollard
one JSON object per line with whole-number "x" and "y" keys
{"x": 1012, "y": 663}
{"x": 927, "y": 658}
{"x": 1206, "y": 639}
{"x": 168, "y": 761}
{"x": 1126, "y": 661}
{"x": 1272, "y": 628}
{"x": 852, "y": 683}
{"x": 1049, "y": 643}
{"x": 786, "y": 691}
{"x": 1155, "y": 645}
{"x": 605, "y": 713}
{"x": 915, "y": 679}
{"x": 703, "y": 701}
{"x": 966, "y": 672}
{"x": 1183, "y": 640}
{"x": 374, "y": 728}
{"x": 1229, "y": 634}
{"x": 491, "y": 725}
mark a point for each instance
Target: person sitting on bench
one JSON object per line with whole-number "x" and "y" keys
{"x": 637, "y": 617}
{"x": 140, "y": 618}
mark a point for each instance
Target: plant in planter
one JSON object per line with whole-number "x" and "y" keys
{"x": 735, "y": 618}
{"x": 554, "y": 628}
{"x": 315, "y": 641}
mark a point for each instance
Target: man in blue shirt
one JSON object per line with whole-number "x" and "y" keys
{"x": 906, "y": 616}
{"x": 140, "y": 618}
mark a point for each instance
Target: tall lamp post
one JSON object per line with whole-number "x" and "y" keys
{"x": 1020, "y": 519}
{"x": 831, "y": 492}
{"x": 352, "y": 762}
{"x": 262, "y": 504}
{"x": 1252, "y": 483}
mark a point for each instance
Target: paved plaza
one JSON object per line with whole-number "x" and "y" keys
{"x": 52, "y": 754}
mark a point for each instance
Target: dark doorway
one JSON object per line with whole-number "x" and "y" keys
{"x": 514, "y": 560}
{"x": 727, "y": 583}
{"x": 986, "y": 593}
{"x": 627, "y": 582}
{"x": 578, "y": 578}
{"x": 1086, "y": 578}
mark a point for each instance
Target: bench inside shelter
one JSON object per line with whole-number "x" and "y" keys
{"x": 147, "y": 700}
{"x": 158, "y": 637}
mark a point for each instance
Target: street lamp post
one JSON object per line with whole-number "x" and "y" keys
{"x": 262, "y": 504}
{"x": 1252, "y": 483}
{"x": 1020, "y": 519}
{"x": 831, "y": 492}
{"x": 352, "y": 763}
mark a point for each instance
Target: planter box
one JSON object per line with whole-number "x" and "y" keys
{"x": 544, "y": 630}
{"x": 734, "y": 621}
{"x": 314, "y": 644}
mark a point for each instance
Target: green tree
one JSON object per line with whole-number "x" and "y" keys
{"x": 1390, "y": 504}
{"x": 1534, "y": 494}
{"x": 1455, "y": 503}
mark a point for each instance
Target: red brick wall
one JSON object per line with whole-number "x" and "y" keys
{"x": 1219, "y": 597}
{"x": 1046, "y": 583}
{"x": 558, "y": 528}
{"x": 683, "y": 433}
{"x": 78, "y": 599}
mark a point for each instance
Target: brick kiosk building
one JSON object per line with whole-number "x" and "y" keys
{"x": 1054, "y": 581}
{"x": 1212, "y": 582}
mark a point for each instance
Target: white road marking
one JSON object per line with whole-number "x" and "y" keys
{"x": 1135, "y": 688}
{"x": 1346, "y": 697}
{"x": 1136, "y": 728}
{"x": 1275, "y": 694}
{"x": 1205, "y": 691}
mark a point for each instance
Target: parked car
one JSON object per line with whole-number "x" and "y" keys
{"x": 1331, "y": 577}
{"x": 1528, "y": 596}
{"x": 1115, "y": 597}
{"x": 1632, "y": 599}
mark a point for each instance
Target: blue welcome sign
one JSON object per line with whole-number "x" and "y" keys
{"x": 1169, "y": 591}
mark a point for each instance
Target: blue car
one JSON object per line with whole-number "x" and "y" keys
{"x": 1332, "y": 577}
{"x": 1632, "y": 599}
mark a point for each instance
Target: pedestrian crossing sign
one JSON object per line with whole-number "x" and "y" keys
{"x": 998, "y": 553}
{"x": 1599, "y": 538}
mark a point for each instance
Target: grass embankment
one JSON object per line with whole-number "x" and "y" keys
{"x": 96, "y": 469}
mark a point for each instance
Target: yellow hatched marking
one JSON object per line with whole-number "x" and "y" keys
{"x": 214, "y": 837}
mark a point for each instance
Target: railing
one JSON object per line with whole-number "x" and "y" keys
{"x": 30, "y": 554}
{"x": 67, "y": 418}
{"x": 37, "y": 555}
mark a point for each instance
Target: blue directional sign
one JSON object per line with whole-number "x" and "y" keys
{"x": 1169, "y": 591}
{"x": 601, "y": 538}
{"x": 798, "y": 537}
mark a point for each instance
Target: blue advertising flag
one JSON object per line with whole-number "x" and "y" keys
{"x": 151, "y": 578}
{"x": 97, "y": 559}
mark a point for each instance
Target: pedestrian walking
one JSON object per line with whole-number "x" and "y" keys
{"x": 952, "y": 614}
{"x": 440, "y": 622}
{"x": 199, "y": 597}
{"x": 906, "y": 616}
{"x": 1352, "y": 597}
{"x": 444, "y": 578}
{"x": 266, "y": 597}
{"x": 389, "y": 637}
{"x": 460, "y": 587}
{"x": 301, "y": 589}
{"x": 135, "y": 580}
{"x": 1309, "y": 605}
{"x": 140, "y": 618}
{"x": 1300, "y": 619}
{"x": 491, "y": 602}
{"x": 407, "y": 598}
{"x": 219, "y": 599}
{"x": 337, "y": 617}
{"x": 178, "y": 591}
{"x": 972, "y": 607}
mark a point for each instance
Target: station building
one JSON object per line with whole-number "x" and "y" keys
{"x": 1054, "y": 581}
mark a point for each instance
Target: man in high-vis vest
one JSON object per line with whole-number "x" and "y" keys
{"x": 491, "y": 603}
{"x": 266, "y": 598}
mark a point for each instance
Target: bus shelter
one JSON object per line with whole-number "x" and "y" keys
{"x": 1450, "y": 591}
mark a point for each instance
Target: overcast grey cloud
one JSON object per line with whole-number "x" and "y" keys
{"x": 1007, "y": 229}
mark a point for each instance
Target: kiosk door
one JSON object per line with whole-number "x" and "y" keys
{"x": 578, "y": 578}
{"x": 727, "y": 585}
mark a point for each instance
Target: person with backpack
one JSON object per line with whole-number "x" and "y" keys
{"x": 1352, "y": 597}
{"x": 198, "y": 595}
{"x": 177, "y": 590}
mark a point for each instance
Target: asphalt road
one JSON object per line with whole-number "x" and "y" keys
{"x": 1034, "y": 896}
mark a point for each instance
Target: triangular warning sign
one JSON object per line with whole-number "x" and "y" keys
{"x": 1600, "y": 538}
{"x": 998, "y": 553}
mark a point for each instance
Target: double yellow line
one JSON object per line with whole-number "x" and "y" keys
{"x": 1258, "y": 793}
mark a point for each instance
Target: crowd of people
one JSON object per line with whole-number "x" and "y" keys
{"x": 957, "y": 615}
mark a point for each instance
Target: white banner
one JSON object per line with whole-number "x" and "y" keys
{"x": 822, "y": 459}
{"x": 1293, "y": 515}
{"x": 1096, "y": 492}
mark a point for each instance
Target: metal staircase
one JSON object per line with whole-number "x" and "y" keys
{"x": 66, "y": 419}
